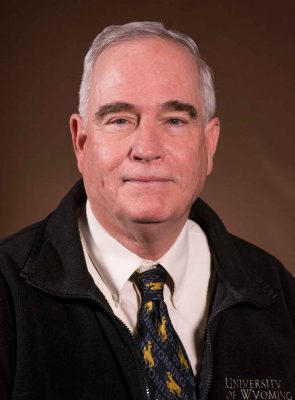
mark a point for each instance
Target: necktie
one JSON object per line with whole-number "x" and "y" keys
{"x": 167, "y": 368}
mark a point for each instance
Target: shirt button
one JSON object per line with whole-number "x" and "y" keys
{"x": 115, "y": 297}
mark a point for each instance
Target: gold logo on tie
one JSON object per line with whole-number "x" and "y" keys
{"x": 147, "y": 355}
{"x": 173, "y": 387}
{"x": 162, "y": 328}
{"x": 149, "y": 306}
{"x": 182, "y": 359}
{"x": 155, "y": 285}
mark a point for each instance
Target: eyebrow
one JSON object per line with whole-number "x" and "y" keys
{"x": 115, "y": 107}
{"x": 176, "y": 105}
{"x": 171, "y": 105}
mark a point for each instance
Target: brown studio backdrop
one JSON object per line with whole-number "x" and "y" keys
{"x": 249, "y": 45}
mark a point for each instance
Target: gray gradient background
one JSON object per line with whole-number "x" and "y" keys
{"x": 249, "y": 45}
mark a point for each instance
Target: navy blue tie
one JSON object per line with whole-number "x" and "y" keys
{"x": 167, "y": 368}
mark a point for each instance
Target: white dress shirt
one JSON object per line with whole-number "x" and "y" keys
{"x": 187, "y": 263}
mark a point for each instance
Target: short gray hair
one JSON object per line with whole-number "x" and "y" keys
{"x": 114, "y": 34}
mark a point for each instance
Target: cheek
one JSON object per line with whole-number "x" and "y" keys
{"x": 194, "y": 169}
{"x": 102, "y": 158}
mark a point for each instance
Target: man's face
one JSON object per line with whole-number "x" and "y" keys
{"x": 145, "y": 150}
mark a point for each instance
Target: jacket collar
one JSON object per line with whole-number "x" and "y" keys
{"x": 57, "y": 265}
{"x": 237, "y": 274}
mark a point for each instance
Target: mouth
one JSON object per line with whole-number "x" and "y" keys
{"x": 146, "y": 179}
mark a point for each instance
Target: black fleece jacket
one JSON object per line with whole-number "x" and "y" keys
{"x": 59, "y": 338}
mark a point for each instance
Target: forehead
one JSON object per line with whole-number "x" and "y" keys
{"x": 146, "y": 69}
{"x": 147, "y": 44}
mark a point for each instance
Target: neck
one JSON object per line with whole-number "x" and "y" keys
{"x": 147, "y": 240}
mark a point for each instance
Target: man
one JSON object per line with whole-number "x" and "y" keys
{"x": 72, "y": 311}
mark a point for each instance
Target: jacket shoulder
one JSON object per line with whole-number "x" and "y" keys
{"x": 257, "y": 255}
{"x": 16, "y": 247}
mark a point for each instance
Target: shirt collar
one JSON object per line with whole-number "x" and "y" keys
{"x": 115, "y": 263}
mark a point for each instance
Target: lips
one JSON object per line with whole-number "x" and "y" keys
{"x": 147, "y": 179}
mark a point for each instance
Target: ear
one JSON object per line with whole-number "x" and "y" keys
{"x": 212, "y": 131}
{"x": 79, "y": 137}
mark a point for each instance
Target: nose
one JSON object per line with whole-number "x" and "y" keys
{"x": 147, "y": 143}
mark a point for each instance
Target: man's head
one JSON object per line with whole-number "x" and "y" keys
{"x": 144, "y": 144}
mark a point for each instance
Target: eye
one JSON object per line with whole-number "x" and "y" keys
{"x": 176, "y": 121}
{"x": 118, "y": 121}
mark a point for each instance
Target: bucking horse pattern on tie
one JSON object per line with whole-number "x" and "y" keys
{"x": 168, "y": 370}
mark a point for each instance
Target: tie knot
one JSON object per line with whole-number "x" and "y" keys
{"x": 151, "y": 283}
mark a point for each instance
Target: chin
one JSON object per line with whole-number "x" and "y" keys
{"x": 148, "y": 215}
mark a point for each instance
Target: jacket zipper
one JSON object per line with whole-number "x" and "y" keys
{"x": 147, "y": 389}
{"x": 109, "y": 312}
{"x": 213, "y": 316}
